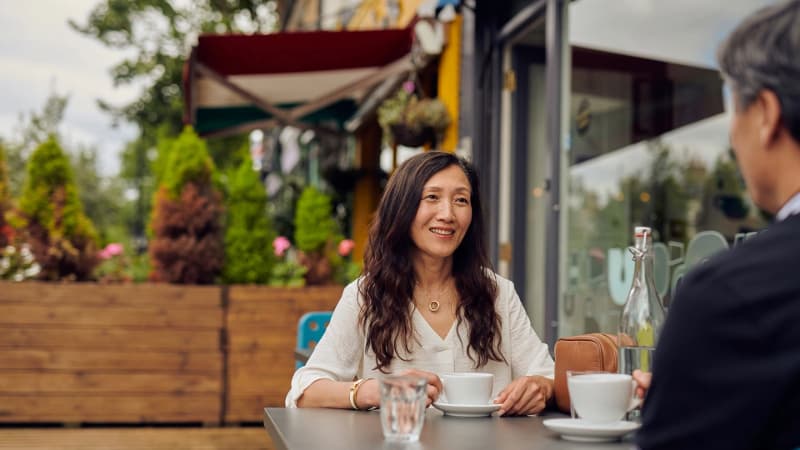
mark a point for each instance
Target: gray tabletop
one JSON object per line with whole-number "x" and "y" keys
{"x": 334, "y": 429}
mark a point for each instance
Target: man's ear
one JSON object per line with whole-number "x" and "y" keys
{"x": 771, "y": 117}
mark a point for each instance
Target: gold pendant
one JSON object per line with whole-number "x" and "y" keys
{"x": 433, "y": 306}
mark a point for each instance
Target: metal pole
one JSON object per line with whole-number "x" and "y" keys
{"x": 554, "y": 82}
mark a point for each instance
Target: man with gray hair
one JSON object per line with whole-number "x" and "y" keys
{"x": 727, "y": 368}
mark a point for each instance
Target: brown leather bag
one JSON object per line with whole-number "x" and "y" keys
{"x": 593, "y": 351}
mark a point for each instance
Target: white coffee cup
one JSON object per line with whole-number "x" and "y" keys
{"x": 468, "y": 388}
{"x": 601, "y": 397}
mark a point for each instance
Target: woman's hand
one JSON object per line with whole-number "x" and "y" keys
{"x": 525, "y": 395}
{"x": 643, "y": 380}
{"x": 434, "y": 383}
{"x": 369, "y": 394}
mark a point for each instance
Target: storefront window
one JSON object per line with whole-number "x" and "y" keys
{"x": 648, "y": 146}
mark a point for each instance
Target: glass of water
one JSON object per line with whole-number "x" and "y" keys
{"x": 403, "y": 400}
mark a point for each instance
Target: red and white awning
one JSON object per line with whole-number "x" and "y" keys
{"x": 234, "y": 83}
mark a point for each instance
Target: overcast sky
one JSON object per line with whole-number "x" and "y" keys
{"x": 683, "y": 31}
{"x": 40, "y": 53}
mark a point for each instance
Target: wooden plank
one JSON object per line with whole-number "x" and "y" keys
{"x": 110, "y": 338}
{"x": 79, "y": 382}
{"x": 262, "y": 376}
{"x": 282, "y": 313}
{"x": 162, "y": 315}
{"x": 250, "y": 407}
{"x": 111, "y": 408}
{"x": 185, "y": 296}
{"x": 277, "y": 383}
{"x": 261, "y": 364}
{"x": 270, "y": 340}
{"x": 162, "y": 438}
{"x": 310, "y": 298}
{"x": 205, "y": 361}
{"x": 262, "y": 334}
{"x": 260, "y": 357}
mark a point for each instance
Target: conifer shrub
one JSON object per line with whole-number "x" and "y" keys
{"x": 6, "y": 232}
{"x": 62, "y": 238}
{"x": 187, "y": 236}
{"x": 313, "y": 220}
{"x": 314, "y": 232}
{"x": 248, "y": 237}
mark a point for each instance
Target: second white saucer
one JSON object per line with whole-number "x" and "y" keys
{"x": 582, "y": 431}
{"x": 466, "y": 410}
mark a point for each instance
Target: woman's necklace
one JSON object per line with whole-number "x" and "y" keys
{"x": 433, "y": 305}
{"x": 433, "y": 302}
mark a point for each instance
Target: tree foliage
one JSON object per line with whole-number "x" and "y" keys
{"x": 157, "y": 35}
{"x": 101, "y": 196}
{"x": 62, "y": 237}
{"x": 33, "y": 128}
{"x": 249, "y": 234}
{"x": 187, "y": 245}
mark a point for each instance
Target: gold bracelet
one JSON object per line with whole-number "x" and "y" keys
{"x": 354, "y": 391}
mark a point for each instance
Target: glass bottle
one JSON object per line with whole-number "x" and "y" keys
{"x": 643, "y": 314}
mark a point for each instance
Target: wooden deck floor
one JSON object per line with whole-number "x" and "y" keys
{"x": 232, "y": 438}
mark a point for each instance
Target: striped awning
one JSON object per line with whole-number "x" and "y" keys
{"x": 236, "y": 83}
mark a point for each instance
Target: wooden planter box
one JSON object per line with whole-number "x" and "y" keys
{"x": 149, "y": 353}
{"x": 262, "y": 334}
{"x": 74, "y": 353}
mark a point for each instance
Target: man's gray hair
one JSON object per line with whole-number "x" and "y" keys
{"x": 763, "y": 52}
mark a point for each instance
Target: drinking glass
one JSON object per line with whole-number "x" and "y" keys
{"x": 403, "y": 400}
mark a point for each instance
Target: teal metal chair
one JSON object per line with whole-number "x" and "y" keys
{"x": 310, "y": 329}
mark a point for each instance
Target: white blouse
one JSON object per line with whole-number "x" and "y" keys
{"x": 340, "y": 355}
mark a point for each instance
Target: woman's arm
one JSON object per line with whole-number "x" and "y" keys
{"x": 334, "y": 394}
{"x": 336, "y": 359}
{"x": 325, "y": 393}
{"x": 529, "y": 355}
{"x": 531, "y": 365}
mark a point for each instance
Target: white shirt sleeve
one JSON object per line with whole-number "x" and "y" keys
{"x": 529, "y": 355}
{"x": 338, "y": 354}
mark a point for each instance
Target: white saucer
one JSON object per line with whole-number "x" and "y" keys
{"x": 466, "y": 410}
{"x": 582, "y": 431}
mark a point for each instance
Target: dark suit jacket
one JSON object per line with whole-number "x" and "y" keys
{"x": 726, "y": 372}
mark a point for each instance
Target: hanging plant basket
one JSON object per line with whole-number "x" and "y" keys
{"x": 404, "y": 135}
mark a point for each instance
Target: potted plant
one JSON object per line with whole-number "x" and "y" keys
{"x": 410, "y": 120}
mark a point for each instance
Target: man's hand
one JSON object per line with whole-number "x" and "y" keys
{"x": 643, "y": 380}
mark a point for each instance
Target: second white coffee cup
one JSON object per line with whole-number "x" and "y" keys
{"x": 600, "y": 397}
{"x": 468, "y": 388}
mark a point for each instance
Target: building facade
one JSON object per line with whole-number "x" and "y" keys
{"x": 591, "y": 117}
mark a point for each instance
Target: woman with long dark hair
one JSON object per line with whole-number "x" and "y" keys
{"x": 428, "y": 302}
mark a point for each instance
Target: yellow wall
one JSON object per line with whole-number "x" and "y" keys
{"x": 449, "y": 82}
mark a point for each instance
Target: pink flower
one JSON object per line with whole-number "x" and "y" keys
{"x": 281, "y": 244}
{"x": 345, "y": 247}
{"x": 114, "y": 249}
{"x": 110, "y": 251}
{"x": 408, "y": 86}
